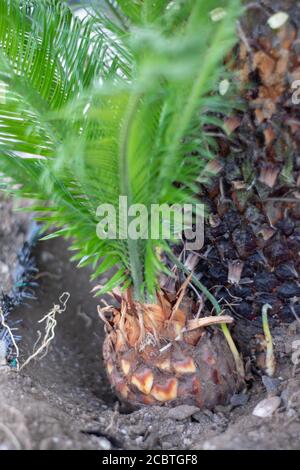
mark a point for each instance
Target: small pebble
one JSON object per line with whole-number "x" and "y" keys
{"x": 186, "y": 442}
{"x": 27, "y": 381}
{"x": 267, "y": 407}
{"x": 209, "y": 446}
{"x": 203, "y": 418}
{"x": 278, "y": 20}
{"x": 296, "y": 357}
{"x": 3, "y": 351}
{"x": 104, "y": 443}
{"x": 4, "y": 269}
{"x": 291, "y": 413}
{"x": 271, "y": 384}
{"x": 296, "y": 345}
{"x": 217, "y": 14}
{"x": 288, "y": 290}
{"x": 224, "y": 87}
{"x": 182, "y": 412}
{"x": 221, "y": 421}
{"x": 290, "y": 395}
{"x": 166, "y": 445}
{"x": 239, "y": 399}
{"x": 225, "y": 409}
{"x": 47, "y": 256}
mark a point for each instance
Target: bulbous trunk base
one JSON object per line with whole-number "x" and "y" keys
{"x": 152, "y": 358}
{"x": 203, "y": 375}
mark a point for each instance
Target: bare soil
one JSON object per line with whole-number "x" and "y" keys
{"x": 63, "y": 401}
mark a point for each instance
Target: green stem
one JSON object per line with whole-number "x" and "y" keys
{"x": 214, "y": 302}
{"x": 125, "y": 190}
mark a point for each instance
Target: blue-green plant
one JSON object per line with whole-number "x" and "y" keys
{"x": 114, "y": 104}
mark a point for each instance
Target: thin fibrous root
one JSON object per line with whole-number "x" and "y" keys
{"x": 42, "y": 344}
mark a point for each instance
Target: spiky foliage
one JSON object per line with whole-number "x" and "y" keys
{"x": 108, "y": 106}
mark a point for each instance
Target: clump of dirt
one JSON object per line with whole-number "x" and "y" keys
{"x": 63, "y": 400}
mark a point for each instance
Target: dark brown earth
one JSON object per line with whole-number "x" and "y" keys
{"x": 63, "y": 401}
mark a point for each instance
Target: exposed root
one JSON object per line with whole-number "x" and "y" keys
{"x": 270, "y": 357}
{"x": 84, "y": 316}
{"x": 42, "y": 344}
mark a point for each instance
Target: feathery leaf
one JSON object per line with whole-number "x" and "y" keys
{"x": 112, "y": 105}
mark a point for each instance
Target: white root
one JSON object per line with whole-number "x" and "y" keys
{"x": 42, "y": 344}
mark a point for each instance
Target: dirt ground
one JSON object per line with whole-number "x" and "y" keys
{"x": 63, "y": 401}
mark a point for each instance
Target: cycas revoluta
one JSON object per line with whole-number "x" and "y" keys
{"x": 115, "y": 106}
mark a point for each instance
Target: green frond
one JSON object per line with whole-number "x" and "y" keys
{"x": 114, "y": 105}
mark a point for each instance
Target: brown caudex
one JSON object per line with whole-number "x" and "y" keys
{"x": 158, "y": 354}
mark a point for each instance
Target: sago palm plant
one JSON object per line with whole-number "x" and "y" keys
{"x": 115, "y": 105}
